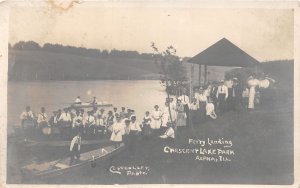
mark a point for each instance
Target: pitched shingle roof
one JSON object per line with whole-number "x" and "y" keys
{"x": 224, "y": 53}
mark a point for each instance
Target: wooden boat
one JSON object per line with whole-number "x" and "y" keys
{"x": 89, "y": 105}
{"x": 58, "y": 143}
{"x": 54, "y": 168}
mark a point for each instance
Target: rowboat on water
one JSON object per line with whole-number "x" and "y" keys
{"x": 89, "y": 105}
{"x": 54, "y": 168}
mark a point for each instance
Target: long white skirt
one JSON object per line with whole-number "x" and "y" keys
{"x": 116, "y": 137}
{"x": 164, "y": 120}
{"x": 251, "y": 97}
{"x": 155, "y": 124}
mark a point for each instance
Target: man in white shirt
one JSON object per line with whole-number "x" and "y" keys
{"x": 194, "y": 106}
{"x": 169, "y": 133}
{"x": 90, "y": 123}
{"x": 26, "y": 117}
{"x": 222, "y": 95}
{"x": 42, "y": 119}
{"x": 185, "y": 100}
{"x": 77, "y": 100}
{"x": 100, "y": 121}
{"x": 134, "y": 125}
{"x": 77, "y": 123}
{"x": 94, "y": 101}
{"x": 66, "y": 123}
{"x": 53, "y": 119}
{"x": 202, "y": 100}
{"x": 231, "y": 100}
{"x": 75, "y": 148}
{"x": 65, "y": 117}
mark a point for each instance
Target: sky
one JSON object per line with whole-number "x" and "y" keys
{"x": 265, "y": 34}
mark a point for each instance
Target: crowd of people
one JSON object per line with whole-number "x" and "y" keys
{"x": 121, "y": 125}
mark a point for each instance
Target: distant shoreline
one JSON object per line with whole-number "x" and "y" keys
{"x": 48, "y": 81}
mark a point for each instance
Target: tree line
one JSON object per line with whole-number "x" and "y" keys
{"x": 82, "y": 51}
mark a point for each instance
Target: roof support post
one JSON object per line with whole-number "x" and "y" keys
{"x": 205, "y": 74}
{"x": 200, "y": 74}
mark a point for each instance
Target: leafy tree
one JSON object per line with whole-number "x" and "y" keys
{"x": 173, "y": 72}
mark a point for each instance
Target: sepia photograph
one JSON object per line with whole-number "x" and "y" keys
{"x": 149, "y": 93}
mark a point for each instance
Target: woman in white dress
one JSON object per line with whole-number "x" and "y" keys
{"x": 210, "y": 109}
{"x": 266, "y": 90}
{"x": 165, "y": 117}
{"x": 181, "y": 115}
{"x": 252, "y": 83}
{"x": 118, "y": 129}
{"x": 146, "y": 129}
{"x": 156, "y": 119}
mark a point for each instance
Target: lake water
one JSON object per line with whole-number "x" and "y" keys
{"x": 138, "y": 95}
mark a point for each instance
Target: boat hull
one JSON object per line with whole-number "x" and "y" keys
{"x": 56, "y": 168}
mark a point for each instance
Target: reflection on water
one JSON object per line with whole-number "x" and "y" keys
{"x": 139, "y": 95}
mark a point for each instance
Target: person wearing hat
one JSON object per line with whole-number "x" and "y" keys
{"x": 77, "y": 100}
{"x": 53, "y": 119}
{"x": 185, "y": 101}
{"x": 96, "y": 114}
{"x": 66, "y": 123}
{"x": 84, "y": 118}
{"x": 110, "y": 120}
{"x": 202, "y": 100}
{"x": 26, "y": 118}
{"x": 265, "y": 89}
{"x": 253, "y": 83}
{"x": 100, "y": 122}
{"x": 126, "y": 134}
{"x": 77, "y": 123}
{"x": 228, "y": 83}
{"x": 115, "y": 110}
{"x": 156, "y": 119}
{"x": 75, "y": 148}
{"x": 94, "y": 101}
{"x": 167, "y": 117}
{"x": 135, "y": 127}
{"x": 181, "y": 115}
{"x": 210, "y": 109}
{"x": 222, "y": 95}
{"x": 213, "y": 93}
{"x": 207, "y": 91}
{"x": 238, "y": 94}
{"x": 135, "y": 131}
{"x": 128, "y": 114}
{"x": 42, "y": 121}
{"x": 245, "y": 97}
{"x": 132, "y": 114}
{"x": 118, "y": 130}
{"x": 194, "y": 106}
{"x": 91, "y": 123}
{"x": 169, "y": 133}
{"x": 146, "y": 129}
{"x": 123, "y": 113}
{"x": 232, "y": 87}
{"x": 172, "y": 103}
